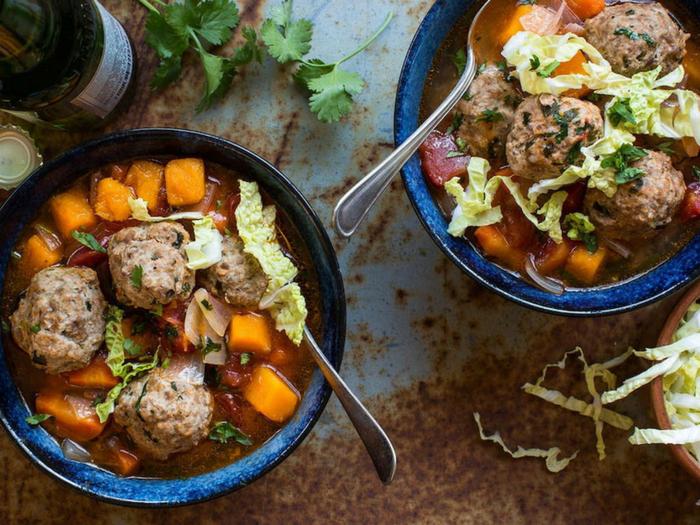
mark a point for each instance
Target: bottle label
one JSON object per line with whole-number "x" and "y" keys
{"x": 113, "y": 74}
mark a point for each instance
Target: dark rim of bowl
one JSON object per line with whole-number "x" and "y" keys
{"x": 630, "y": 294}
{"x": 333, "y": 342}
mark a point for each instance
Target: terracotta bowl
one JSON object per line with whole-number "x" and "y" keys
{"x": 685, "y": 458}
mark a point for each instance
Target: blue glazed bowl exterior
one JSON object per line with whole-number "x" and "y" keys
{"x": 38, "y": 444}
{"x": 620, "y": 297}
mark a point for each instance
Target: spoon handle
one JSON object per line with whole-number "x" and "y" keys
{"x": 354, "y": 205}
{"x": 373, "y": 436}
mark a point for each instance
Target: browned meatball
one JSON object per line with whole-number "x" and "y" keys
{"x": 156, "y": 252}
{"x": 637, "y": 37}
{"x": 488, "y": 113}
{"x": 164, "y": 412}
{"x": 547, "y": 135}
{"x": 641, "y": 206}
{"x": 237, "y": 278}
{"x": 60, "y": 321}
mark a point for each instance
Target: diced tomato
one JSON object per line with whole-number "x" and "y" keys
{"x": 172, "y": 323}
{"x": 574, "y": 200}
{"x": 516, "y": 228}
{"x": 437, "y": 166}
{"x": 690, "y": 209}
{"x": 84, "y": 256}
{"x": 233, "y": 374}
{"x": 162, "y": 208}
{"x": 118, "y": 171}
{"x": 231, "y": 405}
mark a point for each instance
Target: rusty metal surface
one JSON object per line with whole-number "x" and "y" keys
{"x": 426, "y": 346}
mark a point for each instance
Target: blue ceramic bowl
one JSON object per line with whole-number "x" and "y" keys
{"x": 43, "y": 449}
{"x": 616, "y": 298}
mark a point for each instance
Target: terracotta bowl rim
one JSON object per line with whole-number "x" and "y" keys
{"x": 680, "y": 453}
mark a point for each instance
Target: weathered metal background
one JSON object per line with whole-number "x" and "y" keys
{"x": 426, "y": 347}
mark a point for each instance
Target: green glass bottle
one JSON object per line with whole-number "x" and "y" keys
{"x": 68, "y": 63}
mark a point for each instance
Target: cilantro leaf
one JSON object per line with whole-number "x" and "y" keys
{"x": 136, "y": 276}
{"x": 547, "y": 70}
{"x": 332, "y": 98}
{"x": 88, "y": 240}
{"x": 167, "y": 72}
{"x": 490, "y": 115}
{"x": 192, "y": 24}
{"x": 580, "y": 228}
{"x": 223, "y": 431}
{"x": 620, "y": 112}
{"x": 35, "y": 419}
{"x": 696, "y": 172}
{"x": 534, "y": 62}
{"x": 289, "y": 42}
{"x": 459, "y": 59}
{"x": 310, "y": 70}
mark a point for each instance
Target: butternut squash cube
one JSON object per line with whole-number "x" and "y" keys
{"x": 249, "y": 333}
{"x": 74, "y": 416}
{"x": 271, "y": 395}
{"x": 184, "y": 181}
{"x": 585, "y": 265}
{"x": 37, "y": 255}
{"x": 146, "y": 178}
{"x": 72, "y": 211}
{"x": 95, "y": 375}
{"x": 112, "y": 201}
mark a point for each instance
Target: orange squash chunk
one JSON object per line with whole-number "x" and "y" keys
{"x": 271, "y": 395}
{"x": 184, "y": 181}
{"x": 71, "y": 211}
{"x": 112, "y": 201}
{"x": 95, "y": 375}
{"x": 494, "y": 244}
{"x": 573, "y": 67}
{"x": 37, "y": 255}
{"x": 69, "y": 423}
{"x": 586, "y": 8}
{"x": 249, "y": 333}
{"x": 146, "y": 178}
{"x": 513, "y": 26}
{"x": 585, "y": 265}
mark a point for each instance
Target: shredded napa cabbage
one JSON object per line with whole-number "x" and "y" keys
{"x": 678, "y": 364}
{"x": 475, "y": 203}
{"x": 206, "y": 248}
{"x": 594, "y": 409}
{"x": 125, "y": 370}
{"x": 139, "y": 211}
{"x": 551, "y": 455}
{"x": 526, "y": 47}
{"x": 283, "y": 297}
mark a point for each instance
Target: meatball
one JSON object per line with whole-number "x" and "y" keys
{"x": 548, "y": 133}
{"x": 60, "y": 321}
{"x": 164, "y": 412}
{"x": 637, "y": 37}
{"x": 237, "y": 277}
{"x": 148, "y": 264}
{"x": 640, "y": 206}
{"x": 488, "y": 113}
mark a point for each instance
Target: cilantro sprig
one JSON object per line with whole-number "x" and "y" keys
{"x": 331, "y": 88}
{"x": 580, "y": 228}
{"x": 198, "y": 25}
{"x": 620, "y": 161}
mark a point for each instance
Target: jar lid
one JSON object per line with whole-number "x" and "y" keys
{"x": 19, "y": 156}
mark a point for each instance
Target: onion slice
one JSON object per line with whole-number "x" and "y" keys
{"x": 618, "y": 248}
{"x": 73, "y": 451}
{"x": 217, "y": 313}
{"x": 546, "y": 283}
{"x": 51, "y": 240}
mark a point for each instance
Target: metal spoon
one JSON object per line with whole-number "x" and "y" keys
{"x": 373, "y": 436}
{"x": 355, "y": 204}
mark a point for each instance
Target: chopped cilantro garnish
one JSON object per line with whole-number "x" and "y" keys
{"x": 459, "y": 59}
{"x": 88, "y": 240}
{"x": 490, "y": 115}
{"x": 633, "y": 35}
{"x": 131, "y": 347}
{"x": 207, "y": 346}
{"x": 534, "y": 63}
{"x": 457, "y": 120}
{"x": 223, "y": 431}
{"x": 667, "y": 148}
{"x": 245, "y": 358}
{"x": 620, "y": 160}
{"x": 136, "y": 276}
{"x": 696, "y": 172}
{"x": 35, "y": 328}
{"x": 580, "y": 228}
{"x": 35, "y": 419}
{"x": 620, "y": 112}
